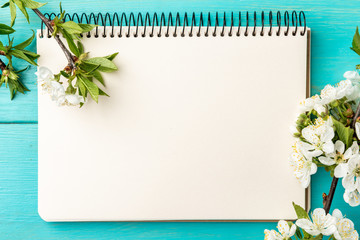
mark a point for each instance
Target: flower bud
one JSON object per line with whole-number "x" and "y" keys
{"x": 348, "y": 113}
{"x": 67, "y": 69}
{"x": 334, "y": 104}
{"x": 5, "y": 72}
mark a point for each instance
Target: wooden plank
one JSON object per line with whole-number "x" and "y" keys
{"x": 333, "y": 25}
{"x": 18, "y": 204}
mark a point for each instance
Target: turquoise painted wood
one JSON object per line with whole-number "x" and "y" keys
{"x": 333, "y": 24}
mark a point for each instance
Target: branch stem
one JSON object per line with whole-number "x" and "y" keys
{"x": 67, "y": 53}
{"x": 357, "y": 114}
{"x": 328, "y": 198}
{"x": 2, "y": 65}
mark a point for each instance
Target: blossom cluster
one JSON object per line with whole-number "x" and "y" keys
{"x": 56, "y": 90}
{"x": 322, "y": 224}
{"x": 326, "y": 137}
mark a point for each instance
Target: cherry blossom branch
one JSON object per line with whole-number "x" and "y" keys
{"x": 327, "y": 199}
{"x": 67, "y": 53}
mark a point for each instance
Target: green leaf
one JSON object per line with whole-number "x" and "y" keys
{"x": 301, "y": 213}
{"x": 82, "y": 89}
{"x": 2, "y": 47}
{"x": 12, "y": 12}
{"x": 26, "y": 42}
{"x": 5, "y": 29}
{"x": 112, "y": 56}
{"x": 102, "y": 93}
{"x": 318, "y": 237}
{"x": 105, "y": 64}
{"x": 345, "y": 133}
{"x": 298, "y": 233}
{"x": 97, "y": 76}
{"x": 71, "y": 27}
{"x": 86, "y": 27}
{"x": 91, "y": 87}
{"x": 5, "y": 5}
{"x": 32, "y": 4}
{"x": 356, "y": 42}
{"x": 80, "y": 47}
{"x": 21, "y": 6}
{"x": 66, "y": 75}
{"x": 70, "y": 42}
{"x": 22, "y": 70}
{"x": 19, "y": 54}
{"x": 30, "y": 54}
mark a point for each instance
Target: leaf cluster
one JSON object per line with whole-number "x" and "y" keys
{"x": 10, "y": 76}
{"x": 83, "y": 78}
{"x": 70, "y": 30}
{"x": 22, "y": 5}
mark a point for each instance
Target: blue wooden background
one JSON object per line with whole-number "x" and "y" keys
{"x": 333, "y": 24}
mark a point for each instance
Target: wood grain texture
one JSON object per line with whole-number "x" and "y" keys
{"x": 333, "y": 24}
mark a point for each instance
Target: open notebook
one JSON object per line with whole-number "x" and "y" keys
{"x": 195, "y": 128}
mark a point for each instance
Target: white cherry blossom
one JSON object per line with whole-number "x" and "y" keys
{"x": 352, "y": 197}
{"x": 340, "y": 157}
{"x": 70, "y": 100}
{"x": 344, "y": 88}
{"x": 310, "y": 103}
{"x": 351, "y": 181}
{"x": 285, "y": 231}
{"x": 344, "y": 227}
{"x": 320, "y": 136}
{"x": 321, "y": 223}
{"x": 352, "y": 76}
{"x": 56, "y": 89}
{"x": 328, "y": 94}
{"x": 301, "y": 162}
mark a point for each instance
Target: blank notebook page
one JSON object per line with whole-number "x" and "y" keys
{"x": 195, "y": 128}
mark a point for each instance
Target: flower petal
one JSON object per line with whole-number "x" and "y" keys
{"x": 351, "y": 75}
{"x": 349, "y": 182}
{"x": 328, "y": 135}
{"x": 327, "y": 161}
{"x": 283, "y": 227}
{"x": 328, "y": 147}
{"x": 357, "y": 129}
{"x": 313, "y": 169}
{"x": 355, "y": 148}
{"x": 292, "y": 230}
{"x": 352, "y": 197}
{"x": 328, "y": 231}
{"x": 341, "y": 170}
{"x": 339, "y": 146}
{"x": 337, "y": 214}
{"x": 304, "y": 223}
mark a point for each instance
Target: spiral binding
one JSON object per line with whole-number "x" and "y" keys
{"x": 165, "y": 22}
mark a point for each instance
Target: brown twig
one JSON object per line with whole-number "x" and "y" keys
{"x": 2, "y": 65}
{"x": 327, "y": 199}
{"x": 357, "y": 114}
{"x": 67, "y": 53}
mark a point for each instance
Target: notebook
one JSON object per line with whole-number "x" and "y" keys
{"x": 196, "y": 127}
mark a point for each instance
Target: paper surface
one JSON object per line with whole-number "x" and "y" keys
{"x": 195, "y": 128}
